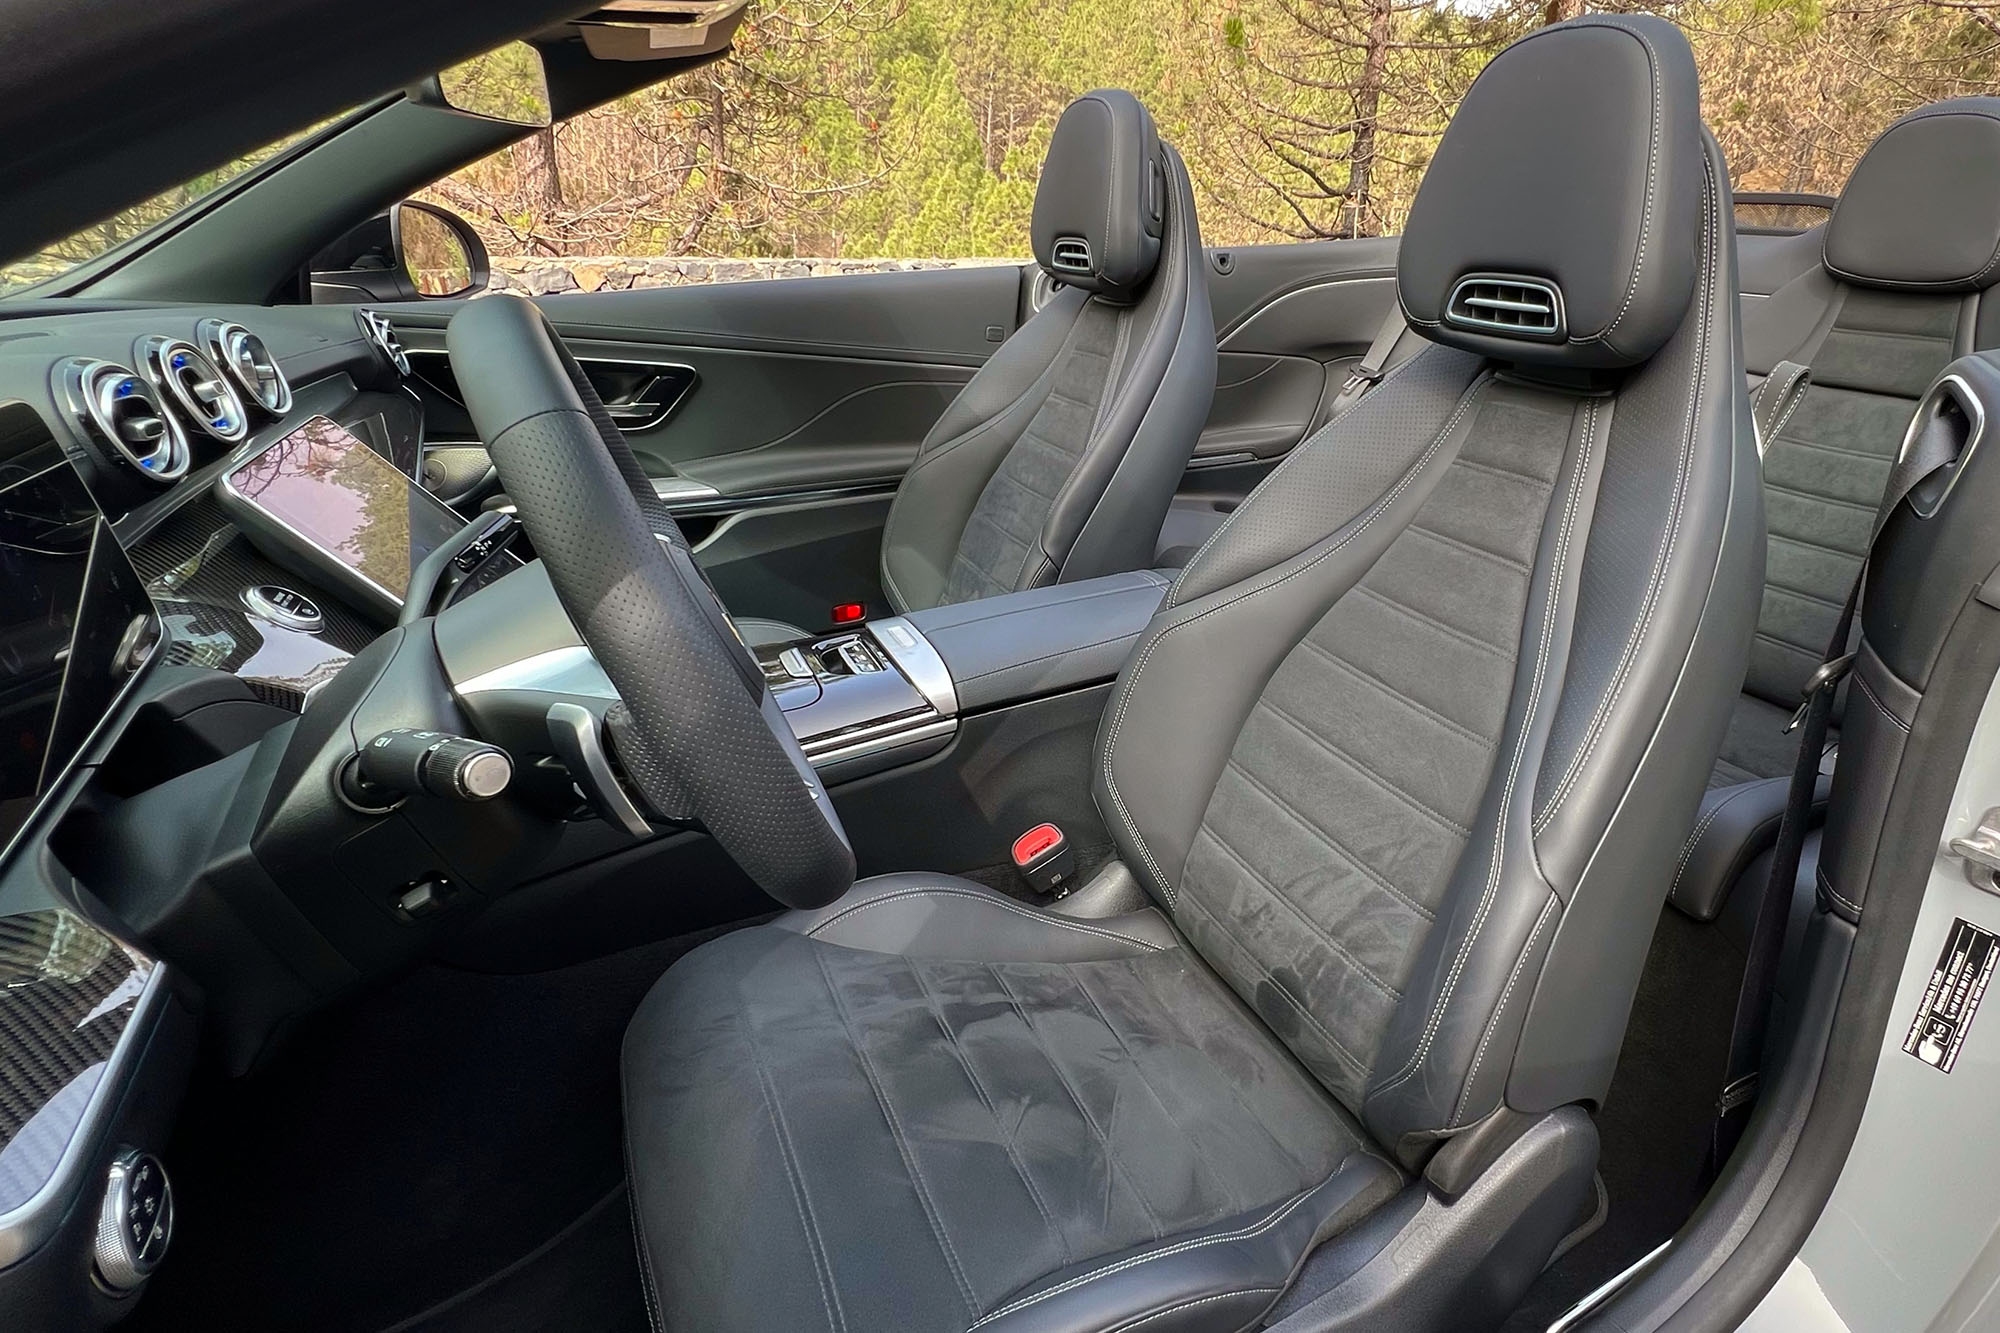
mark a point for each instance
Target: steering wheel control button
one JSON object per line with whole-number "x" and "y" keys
{"x": 407, "y": 761}
{"x": 1044, "y": 858}
{"x": 283, "y": 607}
{"x": 135, "y": 1222}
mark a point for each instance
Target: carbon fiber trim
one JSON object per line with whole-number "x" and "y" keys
{"x": 196, "y": 566}
{"x": 67, "y": 991}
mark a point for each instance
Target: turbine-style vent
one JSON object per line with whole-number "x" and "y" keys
{"x": 1507, "y": 306}
{"x": 123, "y": 416}
{"x": 196, "y": 386}
{"x": 247, "y": 361}
{"x": 1071, "y": 254}
{"x": 375, "y": 326}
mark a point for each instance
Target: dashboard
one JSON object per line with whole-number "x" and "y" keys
{"x": 204, "y": 516}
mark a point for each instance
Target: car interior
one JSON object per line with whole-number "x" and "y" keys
{"x": 1361, "y": 784}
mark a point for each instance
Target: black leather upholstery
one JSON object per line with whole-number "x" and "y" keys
{"x": 1871, "y": 328}
{"x": 1103, "y": 188}
{"x": 930, "y": 1107}
{"x": 1618, "y": 139}
{"x": 1058, "y": 461}
{"x": 1922, "y": 210}
{"x": 1403, "y": 762}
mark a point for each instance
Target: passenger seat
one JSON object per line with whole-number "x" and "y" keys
{"x": 1057, "y": 461}
{"x": 1844, "y": 352}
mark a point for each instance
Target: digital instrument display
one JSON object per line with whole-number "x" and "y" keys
{"x": 75, "y": 621}
{"x": 372, "y": 524}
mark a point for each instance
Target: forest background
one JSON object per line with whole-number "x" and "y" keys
{"x": 916, "y": 128}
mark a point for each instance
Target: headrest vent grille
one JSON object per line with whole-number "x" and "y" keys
{"x": 1507, "y": 306}
{"x": 1072, "y": 254}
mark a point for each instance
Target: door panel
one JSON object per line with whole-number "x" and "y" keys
{"x": 810, "y": 396}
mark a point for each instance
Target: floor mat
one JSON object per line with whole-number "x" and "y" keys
{"x": 446, "y": 1148}
{"x": 1653, "y": 1129}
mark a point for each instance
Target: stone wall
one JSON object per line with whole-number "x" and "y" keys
{"x": 540, "y": 276}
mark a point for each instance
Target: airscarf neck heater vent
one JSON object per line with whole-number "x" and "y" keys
{"x": 1507, "y": 305}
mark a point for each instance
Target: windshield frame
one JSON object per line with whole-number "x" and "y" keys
{"x": 81, "y": 275}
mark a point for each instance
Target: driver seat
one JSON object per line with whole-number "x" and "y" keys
{"x": 1059, "y": 458}
{"x": 1403, "y": 764}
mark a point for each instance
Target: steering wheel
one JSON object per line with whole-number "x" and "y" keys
{"x": 695, "y": 729}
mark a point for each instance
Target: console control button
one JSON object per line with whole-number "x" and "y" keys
{"x": 283, "y": 606}
{"x": 135, "y": 1221}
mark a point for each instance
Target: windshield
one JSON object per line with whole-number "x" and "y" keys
{"x": 59, "y": 257}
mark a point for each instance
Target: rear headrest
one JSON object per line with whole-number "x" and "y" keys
{"x": 1922, "y": 210}
{"x": 1101, "y": 204}
{"x": 1559, "y": 220}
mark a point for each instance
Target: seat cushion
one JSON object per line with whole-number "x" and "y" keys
{"x": 1084, "y": 1128}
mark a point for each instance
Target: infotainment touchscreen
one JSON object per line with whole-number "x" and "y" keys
{"x": 370, "y": 525}
{"x": 75, "y": 621}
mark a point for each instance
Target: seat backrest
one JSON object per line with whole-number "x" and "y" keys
{"x": 1409, "y": 750}
{"x": 1910, "y": 255}
{"x": 1058, "y": 460}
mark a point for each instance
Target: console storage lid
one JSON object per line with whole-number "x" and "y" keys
{"x": 1044, "y": 640}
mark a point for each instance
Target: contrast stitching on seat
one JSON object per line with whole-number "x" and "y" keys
{"x": 652, "y": 1296}
{"x": 1500, "y": 1012}
{"x": 1595, "y": 731}
{"x": 1408, "y": 612}
{"x": 1374, "y": 511}
{"x": 1042, "y": 918}
{"x": 1652, "y": 176}
{"x": 1012, "y": 1149}
{"x": 1168, "y": 1012}
{"x": 1694, "y": 840}
{"x": 1111, "y": 1157}
{"x": 1361, "y": 770}
{"x": 829, "y": 1291}
{"x": 1249, "y": 1232}
{"x": 1861, "y": 681}
{"x": 1132, "y": 1060}
{"x": 1189, "y": 1305}
{"x": 903, "y": 1146}
{"x": 1305, "y": 918}
{"x": 1416, "y": 705}
{"x": 1487, "y": 895}
{"x": 1367, "y": 872}
{"x": 1355, "y": 1062}
{"x": 1311, "y": 442}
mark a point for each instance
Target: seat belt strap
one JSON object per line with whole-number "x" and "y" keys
{"x": 1776, "y": 399}
{"x": 1367, "y": 372}
{"x": 1930, "y": 453}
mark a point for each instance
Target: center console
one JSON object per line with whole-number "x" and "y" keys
{"x": 891, "y": 692}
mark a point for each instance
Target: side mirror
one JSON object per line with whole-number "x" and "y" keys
{"x": 412, "y": 252}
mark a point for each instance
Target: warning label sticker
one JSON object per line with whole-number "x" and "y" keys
{"x": 1952, "y": 998}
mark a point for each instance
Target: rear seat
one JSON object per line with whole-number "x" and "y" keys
{"x": 1903, "y": 287}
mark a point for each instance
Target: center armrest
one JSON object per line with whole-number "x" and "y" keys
{"x": 1044, "y": 640}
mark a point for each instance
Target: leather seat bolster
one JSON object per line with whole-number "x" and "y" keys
{"x": 1734, "y": 827}
{"x": 941, "y": 916}
{"x": 1222, "y": 1277}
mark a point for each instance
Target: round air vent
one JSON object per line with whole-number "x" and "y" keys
{"x": 243, "y": 356}
{"x": 119, "y": 410}
{"x": 196, "y": 386}
{"x": 375, "y": 326}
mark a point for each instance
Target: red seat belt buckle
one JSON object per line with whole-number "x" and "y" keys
{"x": 849, "y": 613}
{"x": 1044, "y": 858}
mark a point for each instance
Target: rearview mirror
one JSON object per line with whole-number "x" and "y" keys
{"x": 413, "y": 251}
{"x": 507, "y": 83}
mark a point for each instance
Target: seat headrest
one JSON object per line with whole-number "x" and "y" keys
{"x": 1559, "y": 220}
{"x": 1101, "y": 205}
{"x": 1922, "y": 210}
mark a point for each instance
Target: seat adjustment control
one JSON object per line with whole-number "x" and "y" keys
{"x": 406, "y": 761}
